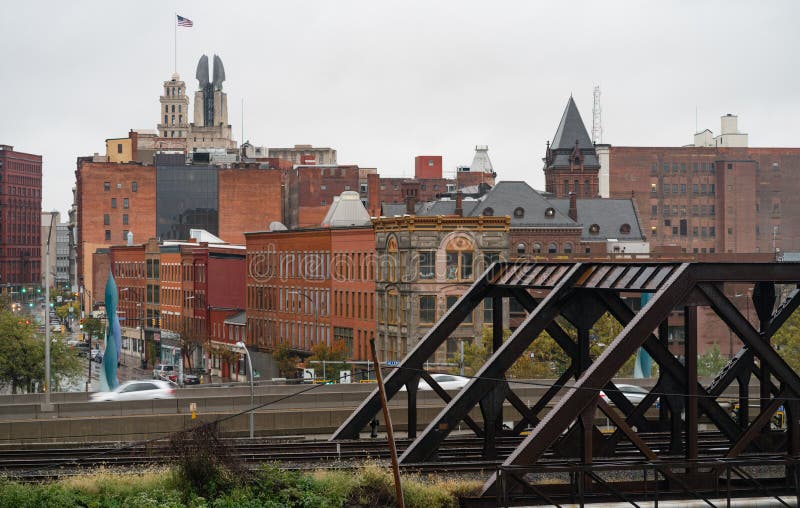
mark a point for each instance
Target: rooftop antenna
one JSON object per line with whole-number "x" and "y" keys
{"x": 597, "y": 121}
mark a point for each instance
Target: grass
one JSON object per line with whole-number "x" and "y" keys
{"x": 368, "y": 486}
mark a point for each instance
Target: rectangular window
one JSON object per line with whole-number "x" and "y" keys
{"x": 703, "y": 167}
{"x": 711, "y": 210}
{"x": 135, "y": 186}
{"x": 683, "y": 167}
{"x": 695, "y": 189}
{"x": 489, "y": 258}
{"x": 674, "y": 167}
{"x": 125, "y": 219}
{"x": 666, "y": 168}
{"x": 125, "y": 235}
{"x": 694, "y": 167}
{"x": 488, "y": 305}
{"x": 712, "y": 231}
{"x": 654, "y": 169}
{"x": 694, "y": 209}
{"x": 711, "y": 188}
{"x": 666, "y": 188}
{"x": 427, "y": 308}
{"x": 106, "y": 186}
{"x": 106, "y": 219}
{"x": 459, "y": 265}
{"x": 113, "y": 202}
{"x": 451, "y": 300}
{"x": 119, "y": 147}
{"x": 653, "y": 209}
{"x": 466, "y": 265}
{"x": 683, "y": 188}
{"x": 125, "y": 203}
{"x": 704, "y": 231}
{"x": 694, "y": 231}
{"x": 674, "y": 188}
{"x": 702, "y": 188}
{"x": 427, "y": 264}
{"x": 108, "y": 235}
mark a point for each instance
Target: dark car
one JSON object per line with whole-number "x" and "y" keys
{"x": 191, "y": 379}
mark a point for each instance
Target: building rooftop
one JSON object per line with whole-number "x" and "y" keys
{"x": 346, "y": 211}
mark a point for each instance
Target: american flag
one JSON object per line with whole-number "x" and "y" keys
{"x": 184, "y": 21}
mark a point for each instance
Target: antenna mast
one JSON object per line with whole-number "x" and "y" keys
{"x": 597, "y": 122}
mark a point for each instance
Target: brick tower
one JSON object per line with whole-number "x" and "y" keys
{"x": 571, "y": 164}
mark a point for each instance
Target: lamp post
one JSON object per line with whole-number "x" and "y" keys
{"x": 46, "y": 406}
{"x": 241, "y": 345}
{"x": 316, "y": 318}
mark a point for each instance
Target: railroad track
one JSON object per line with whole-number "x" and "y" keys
{"x": 457, "y": 454}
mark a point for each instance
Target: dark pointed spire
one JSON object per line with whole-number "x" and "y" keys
{"x": 571, "y": 129}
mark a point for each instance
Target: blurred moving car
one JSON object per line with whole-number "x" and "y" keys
{"x": 163, "y": 371}
{"x": 446, "y": 381}
{"x": 634, "y": 394}
{"x": 137, "y": 390}
{"x": 188, "y": 379}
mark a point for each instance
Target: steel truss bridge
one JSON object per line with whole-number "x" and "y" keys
{"x": 565, "y": 458}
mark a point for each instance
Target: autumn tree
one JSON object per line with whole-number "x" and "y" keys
{"x": 94, "y": 328}
{"x": 711, "y": 362}
{"x": 286, "y": 360}
{"x": 334, "y": 356}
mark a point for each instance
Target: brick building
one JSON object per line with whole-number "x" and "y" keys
{"x": 20, "y": 209}
{"x": 168, "y": 199}
{"x": 180, "y": 293}
{"x": 312, "y": 285}
{"x": 711, "y": 199}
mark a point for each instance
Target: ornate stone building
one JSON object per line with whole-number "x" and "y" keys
{"x": 425, "y": 264}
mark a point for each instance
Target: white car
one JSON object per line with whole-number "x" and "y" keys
{"x": 137, "y": 390}
{"x": 446, "y": 381}
{"x": 635, "y": 394}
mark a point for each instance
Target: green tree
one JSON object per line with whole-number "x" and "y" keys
{"x": 787, "y": 340}
{"x": 22, "y": 357}
{"x": 711, "y": 362}
{"x": 94, "y": 328}
{"x": 286, "y": 360}
{"x": 334, "y": 356}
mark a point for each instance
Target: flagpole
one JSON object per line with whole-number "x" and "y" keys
{"x": 175, "y": 47}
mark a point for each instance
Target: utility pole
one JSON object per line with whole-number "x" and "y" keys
{"x": 47, "y": 406}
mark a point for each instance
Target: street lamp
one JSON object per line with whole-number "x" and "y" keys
{"x": 47, "y": 406}
{"x": 241, "y": 345}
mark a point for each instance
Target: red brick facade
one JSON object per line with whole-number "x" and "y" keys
{"x": 712, "y": 200}
{"x": 309, "y": 286}
{"x": 20, "y": 209}
{"x": 249, "y": 199}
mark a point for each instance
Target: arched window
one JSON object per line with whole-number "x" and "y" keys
{"x": 173, "y": 108}
{"x": 520, "y": 248}
{"x": 625, "y": 229}
{"x": 568, "y": 248}
{"x": 488, "y": 211}
{"x": 594, "y": 229}
{"x": 537, "y": 248}
{"x": 552, "y": 248}
{"x": 550, "y": 213}
{"x": 519, "y": 212}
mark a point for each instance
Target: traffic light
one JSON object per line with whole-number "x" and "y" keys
{"x": 24, "y": 290}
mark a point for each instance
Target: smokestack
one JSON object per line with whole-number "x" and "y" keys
{"x": 374, "y": 191}
{"x": 459, "y": 204}
{"x": 573, "y": 206}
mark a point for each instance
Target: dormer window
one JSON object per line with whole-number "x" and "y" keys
{"x": 594, "y": 229}
{"x": 488, "y": 211}
{"x": 519, "y": 212}
{"x": 550, "y": 213}
{"x": 625, "y": 229}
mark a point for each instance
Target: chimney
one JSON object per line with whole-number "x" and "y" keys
{"x": 573, "y": 206}
{"x": 374, "y": 194}
{"x": 411, "y": 204}
{"x": 459, "y": 204}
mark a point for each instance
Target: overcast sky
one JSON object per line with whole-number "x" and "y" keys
{"x": 382, "y": 81}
